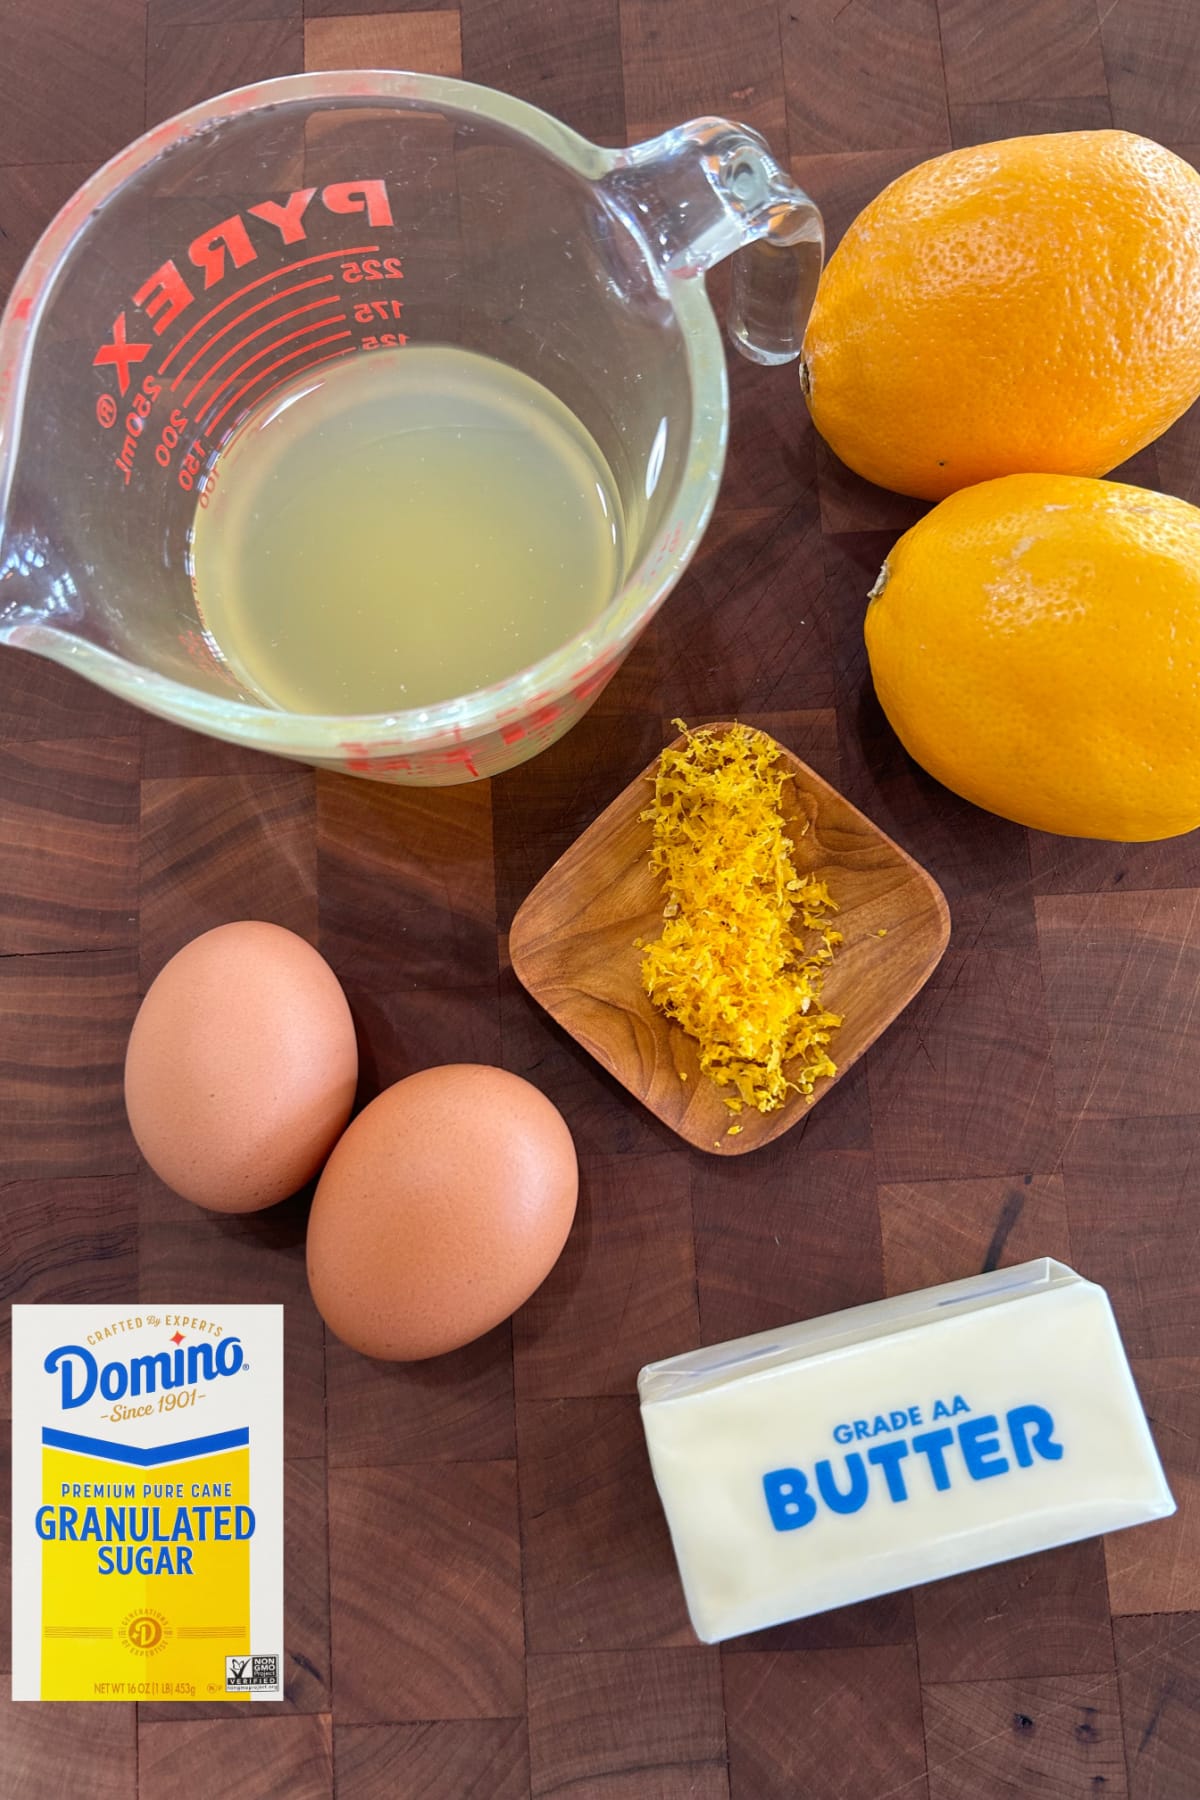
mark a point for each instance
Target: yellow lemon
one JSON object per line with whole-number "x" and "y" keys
{"x": 1035, "y": 643}
{"x": 1031, "y": 304}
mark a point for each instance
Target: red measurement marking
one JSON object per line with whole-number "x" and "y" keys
{"x": 270, "y": 369}
{"x": 363, "y": 759}
{"x": 464, "y": 756}
{"x": 293, "y": 375}
{"x": 305, "y": 262}
{"x": 283, "y": 294}
{"x": 590, "y": 684}
{"x": 282, "y": 319}
{"x": 287, "y": 338}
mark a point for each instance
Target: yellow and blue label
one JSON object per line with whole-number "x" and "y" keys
{"x": 147, "y": 1504}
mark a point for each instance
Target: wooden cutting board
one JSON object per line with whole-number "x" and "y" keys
{"x": 480, "y": 1592}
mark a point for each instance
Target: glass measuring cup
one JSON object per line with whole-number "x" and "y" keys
{"x": 277, "y": 228}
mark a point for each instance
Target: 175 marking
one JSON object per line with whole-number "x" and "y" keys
{"x": 368, "y": 311}
{"x": 378, "y": 309}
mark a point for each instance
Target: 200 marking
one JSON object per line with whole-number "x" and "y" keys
{"x": 169, "y": 437}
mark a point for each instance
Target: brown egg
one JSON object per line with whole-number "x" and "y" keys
{"x": 241, "y": 1067}
{"x": 440, "y": 1211}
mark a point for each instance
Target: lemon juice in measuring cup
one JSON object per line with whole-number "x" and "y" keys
{"x": 399, "y": 528}
{"x": 417, "y": 545}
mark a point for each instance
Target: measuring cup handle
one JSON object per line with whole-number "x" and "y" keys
{"x": 712, "y": 189}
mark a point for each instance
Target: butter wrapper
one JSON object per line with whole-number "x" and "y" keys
{"x": 147, "y": 1498}
{"x": 895, "y": 1443}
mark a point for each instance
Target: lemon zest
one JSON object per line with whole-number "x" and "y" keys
{"x": 730, "y": 966}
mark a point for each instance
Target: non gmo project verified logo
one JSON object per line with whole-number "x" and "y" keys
{"x": 244, "y": 1673}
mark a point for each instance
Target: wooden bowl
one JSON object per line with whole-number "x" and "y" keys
{"x": 572, "y": 946}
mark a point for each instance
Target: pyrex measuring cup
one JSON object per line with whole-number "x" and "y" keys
{"x": 274, "y": 229}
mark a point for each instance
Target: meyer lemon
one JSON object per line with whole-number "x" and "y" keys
{"x": 1030, "y": 304}
{"x": 1035, "y": 643}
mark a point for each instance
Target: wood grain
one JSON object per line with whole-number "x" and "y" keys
{"x": 541, "y": 807}
{"x": 285, "y": 1759}
{"x": 1085, "y": 866}
{"x": 189, "y": 63}
{"x": 983, "y": 121}
{"x": 965, "y": 1086}
{"x": 221, "y": 12}
{"x": 1152, "y": 60}
{"x": 810, "y": 1231}
{"x": 623, "y": 1292}
{"x": 878, "y": 85}
{"x": 428, "y": 41}
{"x": 1056, "y": 1735}
{"x": 64, "y": 1023}
{"x": 598, "y": 1570}
{"x": 775, "y": 466}
{"x": 731, "y": 65}
{"x": 602, "y": 1120}
{"x": 255, "y": 1257}
{"x": 1158, "y": 1570}
{"x": 1160, "y": 1704}
{"x": 848, "y": 503}
{"x": 456, "y": 1759}
{"x": 481, "y": 1598}
{"x": 456, "y": 1407}
{"x": 224, "y": 846}
{"x": 449, "y": 1642}
{"x": 91, "y": 1254}
{"x": 72, "y": 93}
{"x": 849, "y": 1720}
{"x": 74, "y": 862}
{"x": 1131, "y": 1187}
{"x": 41, "y": 701}
{"x": 750, "y": 585}
{"x": 1142, "y": 951}
{"x": 314, "y": 9}
{"x": 572, "y": 945}
{"x": 935, "y": 1231}
{"x": 627, "y": 1725}
{"x": 1041, "y": 1615}
{"x": 886, "y": 1620}
{"x": 1048, "y": 48}
{"x": 58, "y": 1751}
{"x": 574, "y": 73}
{"x": 29, "y": 198}
{"x": 430, "y": 851}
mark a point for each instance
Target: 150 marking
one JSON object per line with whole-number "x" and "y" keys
{"x": 191, "y": 466}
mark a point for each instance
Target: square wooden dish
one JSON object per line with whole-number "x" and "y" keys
{"x": 573, "y": 947}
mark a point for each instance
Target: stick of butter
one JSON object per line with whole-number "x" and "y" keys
{"x": 897, "y": 1442}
